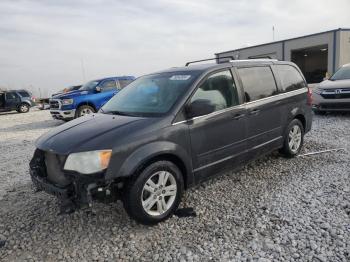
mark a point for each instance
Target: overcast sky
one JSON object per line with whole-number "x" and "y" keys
{"x": 44, "y": 43}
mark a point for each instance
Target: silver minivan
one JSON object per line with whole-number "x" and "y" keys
{"x": 333, "y": 94}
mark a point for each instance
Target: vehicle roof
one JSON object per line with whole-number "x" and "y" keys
{"x": 17, "y": 90}
{"x": 116, "y": 77}
{"x": 235, "y": 63}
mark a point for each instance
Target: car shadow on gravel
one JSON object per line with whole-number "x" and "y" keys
{"x": 8, "y": 113}
{"x": 45, "y": 124}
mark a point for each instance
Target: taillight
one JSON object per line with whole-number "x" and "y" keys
{"x": 309, "y": 96}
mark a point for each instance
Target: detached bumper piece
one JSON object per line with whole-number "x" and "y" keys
{"x": 74, "y": 190}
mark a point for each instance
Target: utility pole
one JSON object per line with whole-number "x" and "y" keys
{"x": 273, "y": 33}
{"x": 83, "y": 70}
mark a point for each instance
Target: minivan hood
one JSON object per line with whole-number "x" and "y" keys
{"x": 91, "y": 131}
{"x": 328, "y": 84}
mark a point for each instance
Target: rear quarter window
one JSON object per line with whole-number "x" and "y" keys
{"x": 290, "y": 78}
{"x": 258, "y": 82}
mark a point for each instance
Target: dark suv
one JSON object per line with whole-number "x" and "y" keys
{"x": 19, "y": 100}
{"x": 168, "y": 131}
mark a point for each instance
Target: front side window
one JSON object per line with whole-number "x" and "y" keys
{"x": 258, "y": 82}
{"x": 89, "y": 85}
{"x": 219, "y": 89}
{"x": 24, "y": 94}
{"x": 342, "y": 74}
{"x": 290, "y": 78}
{"x": 151, "y": 95}
{"x": 108, "y": 85}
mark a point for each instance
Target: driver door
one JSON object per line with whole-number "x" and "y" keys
{"x": 217, "y": 139}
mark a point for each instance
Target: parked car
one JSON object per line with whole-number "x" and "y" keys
{"x": 19, "y": 100}
{"x": 171, "y": 130}
{"x": 87, "y": 99}
{"x": 43, "y": 103}
{"x": 333, "y": 94}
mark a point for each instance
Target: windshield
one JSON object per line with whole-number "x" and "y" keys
{"x": 89, "y": 85}
{"x": 341, "y": 74}
{"x": 151, "y": 95}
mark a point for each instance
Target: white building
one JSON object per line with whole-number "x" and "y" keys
{"x": 315, "y": 54}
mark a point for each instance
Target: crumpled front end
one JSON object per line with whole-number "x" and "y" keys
{"x": 73, "y": 189}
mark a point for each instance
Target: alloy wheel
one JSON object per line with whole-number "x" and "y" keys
{"x": 159, "y": 193}
{"x": 294, "y": 138}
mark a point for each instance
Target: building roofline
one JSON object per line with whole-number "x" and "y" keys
{"x": 285, "y": 40}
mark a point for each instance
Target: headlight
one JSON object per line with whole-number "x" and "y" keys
{"x": 317, "y": 90}
{"x": 88, "y": 162}
{"x": 67, "y": 101}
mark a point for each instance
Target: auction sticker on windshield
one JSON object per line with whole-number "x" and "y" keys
{"x": 180, "y": 77}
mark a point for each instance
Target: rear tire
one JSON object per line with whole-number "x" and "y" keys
{"x": 23, "y": 108}
{"x": 155, "y": 193}
{"x": 293, "y": 139}
{"x": 84, "y": 110}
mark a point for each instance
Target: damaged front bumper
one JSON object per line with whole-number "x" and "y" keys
{"x": 74, "y": 190}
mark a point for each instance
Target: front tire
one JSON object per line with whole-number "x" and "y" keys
{"x": 293, "y": 139}
{"x": 23, "y": 108}
{"x": 84, "y": 110}
{"x": 155, "y": 194}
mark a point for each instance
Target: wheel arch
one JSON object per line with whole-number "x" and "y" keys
{"x": 151, "y": 153}
{"x": 302, "y": 119}
{"x": 87, "y": 103}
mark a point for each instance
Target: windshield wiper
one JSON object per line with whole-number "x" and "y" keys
{"x": 120, "y": 113}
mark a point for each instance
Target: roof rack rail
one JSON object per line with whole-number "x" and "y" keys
{"x": 254, "y": 59}
{"x": 209, "y": 59}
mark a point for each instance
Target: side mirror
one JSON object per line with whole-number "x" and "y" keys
{"x": 98, "y": 89}
{"x": 199, "y": 107}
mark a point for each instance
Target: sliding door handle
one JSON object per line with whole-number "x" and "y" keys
{"x": 254, "y": 111}
{"x": 238, "y": 116}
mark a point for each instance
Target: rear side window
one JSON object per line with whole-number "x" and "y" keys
{"x": 123, "y": 83}
{"x": 258, "y": 82}
{"x": 11, "y": 95}
{"x": 23, "y": 94}
{"x": 220, "y": 89}
{"x": 290, "y": 78}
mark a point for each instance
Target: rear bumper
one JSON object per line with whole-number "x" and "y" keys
{"x": 63, "y": 114}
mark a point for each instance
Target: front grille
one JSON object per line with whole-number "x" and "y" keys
{"x": 49, "y": 166}
{"x": 341, "y": 93}
{"x": 54, "y": 104}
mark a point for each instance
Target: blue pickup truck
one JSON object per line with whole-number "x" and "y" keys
{"x": 88, "y": 99}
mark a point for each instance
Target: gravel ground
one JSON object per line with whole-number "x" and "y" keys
{"x": 273, "y": 209}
